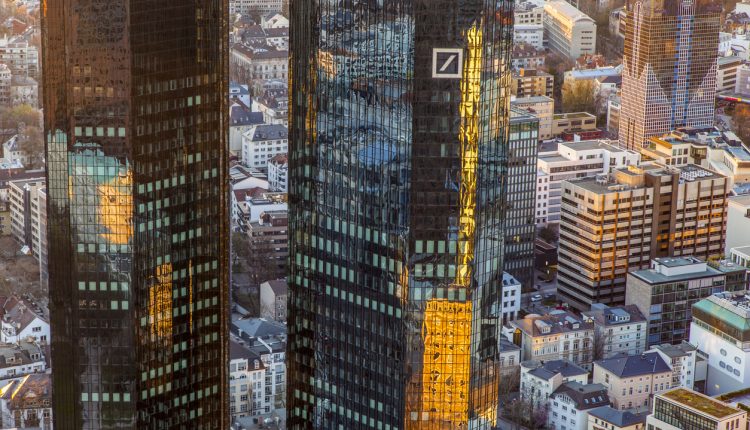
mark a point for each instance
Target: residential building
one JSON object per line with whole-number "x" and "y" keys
{"x": 278, "y": 173}
{"x": 241, "y": 119}
{"x": 661, "y": 52}
{"x": 12, "y": 150}
{"x": 570, "y": 32}
{"x": 683, "y": 360}
{"x": 26, "y": 403}
{"x": 21, "y": 56}
{"x": 24, "y": 213}
{"x": 542, "y": 107}
{"x": 572, "y": 160}
{"x": 247, "y": 382}
{"x": 742, "y": 86}
{"x": 592, "y": 74}
{"x": 22, "y": 318}
{"x": 678, "y": 408}
{"x": 620, "y": 330}
{"x": 532, "y": 82}
{"x": 526, "y": 56}
{"x": 511, "y": 300}
{"x": 262, "y": 142}
{"x": 135, "y": 126}
{"x": 24, "y": 91}
{"x": 738, "y": 222}
{"x": 268, "y": 340}
{"x": 258, "y": 63}
{"x": 5, "y": 80}
{"x": 570, "y": 404}
{"x": 558, "y": 335}
{"x": 665, "y": 292}
{"x": 248, "y": 7}
{"x": 510, "y": 360}
{"x": 269, "y": 243}
{"x": 274, "y": 19}
{"x": 528, "y": 12}
{"x": 275, "y": 109}
{"x": 719, "y": 329}
{"x": 613, "y": 115}
{"x": 609, "y": 418}
{"x": 386, "y": 193}
{"x": 21, "y": 358}
{"x": 540, "y": 379}
{"x": 250, "y": 204}
{"x": 533, "y": 34}
{"x": 616, "y": 223}
{"x": 632, "y": 380}
{"x": 518, "y": 249}
{"x": 568, "y": 125}
{"x": 273, "y": 297}
{"x": 726, "y": 73}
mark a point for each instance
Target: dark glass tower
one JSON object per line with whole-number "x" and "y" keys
{"x": 134, "y": 101}
{"x": 399, "y": 125}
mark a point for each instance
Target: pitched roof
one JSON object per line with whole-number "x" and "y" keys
{"x": 553, "y": 367}
{"x": 586, "y": 396}
{"x": 550, "y": 324}
{"x": 618, "y": 418}
{"x": 624, "y": 366}
{"x": 278, "y": 286}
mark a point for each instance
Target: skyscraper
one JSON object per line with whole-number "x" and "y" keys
{"x": 520, "y": 228}
{"x": 135, "y": 122}
{"x": 398, "y": 140}
{"x": 669, "y": 67}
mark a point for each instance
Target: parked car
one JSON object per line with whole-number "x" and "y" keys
{"x": 536, "y": 298}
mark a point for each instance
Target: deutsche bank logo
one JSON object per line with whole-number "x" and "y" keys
{"x": 447, "y": 63}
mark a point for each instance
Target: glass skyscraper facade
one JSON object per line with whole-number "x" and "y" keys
{"x": 669, "y": 67}
{"x": 136, "y": 129}
{"x": 398, "y": 170}
{"x": 520, "y": 227}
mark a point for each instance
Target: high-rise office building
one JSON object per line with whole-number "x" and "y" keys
{"x": 612, "y": 224}
{"x": 669, "y": 67}
{"x": 521, "y": 188}
{"x": 398, "y": 139}
{"x": 135, "y": 122}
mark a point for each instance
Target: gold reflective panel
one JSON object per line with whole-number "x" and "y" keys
{"x": 469, "y": 139}
{"x": 116, "y": 209}
{"x": 160, "y": 306}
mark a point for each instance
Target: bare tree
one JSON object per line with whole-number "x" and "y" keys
{"x": 602, "y": 338}
{"x": 578, "y": 96}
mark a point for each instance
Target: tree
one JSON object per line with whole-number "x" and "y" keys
{"x": 741, "y": 120}
{"x": 528, "y": 414}
{"x": 285, "y": 8}
{"x": 548, "y": 234}
{"x": 31, "y": 143}
{"x": 11, "y": 117}
{"x": 578, "y": 96}
{"x": 601, "y": 339}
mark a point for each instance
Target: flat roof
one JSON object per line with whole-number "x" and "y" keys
{"x": 573, "y": 115}
{"x": 738, "y": 152}
{"x": 653, "y": 277}
{"x": 701, "y": 403}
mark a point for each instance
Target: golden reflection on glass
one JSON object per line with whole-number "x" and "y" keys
{"x": 469, "y": 139}
{"x": 445, "y": 379}
{"x": 160, "y": 306}
{"x": 116, "y": 209}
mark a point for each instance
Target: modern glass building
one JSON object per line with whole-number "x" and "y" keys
{"x": 398, "y": 147}
{"x": 135, "y": 122}
{"x": 520, "y": 230}
{"x": 669, "y": 67}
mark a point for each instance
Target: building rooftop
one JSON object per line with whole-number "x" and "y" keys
{"x": 531, "y": 100}
{"x": 625, "y": 366}
{"x": 572, "y": 115}
{"x": 568, "y": 10}
{"x": 585, "y": 396}
{"x": 653, "y": 276}
{"x": 612, "y": 316}
{"x": 674, "y": 351}
{"x": 700, "y": 402}
{"x": 553, "y": 323}
{"x": 549, "y": 369}
{"x": 278, "y": 286}
{"x": 726, "y": 309}
{"x": 618, "y": 418}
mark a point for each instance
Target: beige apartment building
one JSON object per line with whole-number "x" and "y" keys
{"x": 558, "y": 335}
{"x": 573, "y": 122}
{"x": 542, "y": 107}
{"x": 532, "y": 82}
{"x": 611, "y": 224}
{"x": 632, "y": 380}
{"x": 570, "y": 32}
